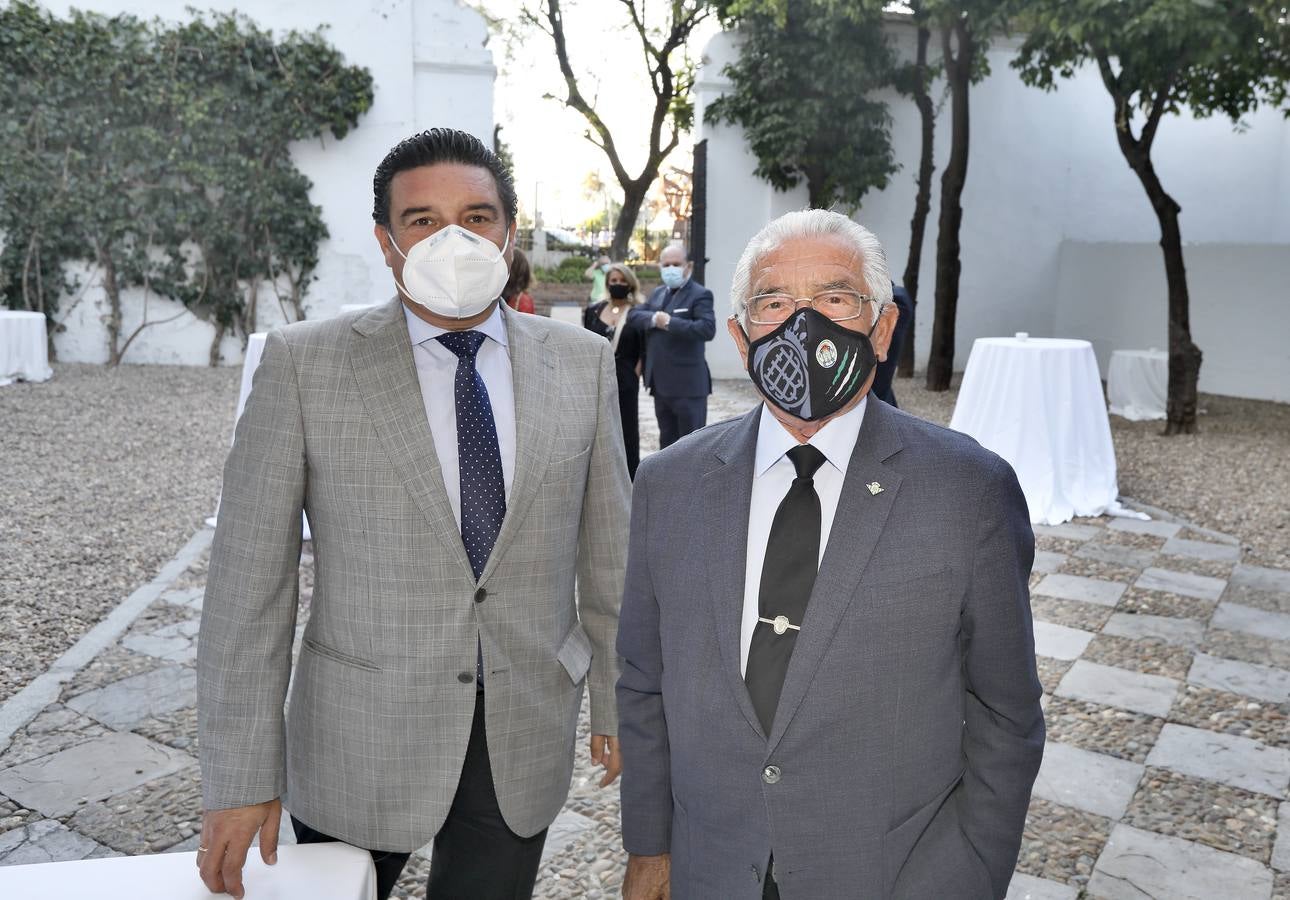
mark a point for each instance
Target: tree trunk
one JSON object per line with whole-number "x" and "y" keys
{"x": 958, "y": 69}
{"x": 633, "y": 200}
{"x": 922, "y": 201}
{"x": 215, "y": 342}
{"x": 113, "y": 291}
{"x": 1184, "y": 355}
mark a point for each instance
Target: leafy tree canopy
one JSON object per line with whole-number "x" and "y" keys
{"x": 803, "y": 93}
{"x": 159, "y": 154}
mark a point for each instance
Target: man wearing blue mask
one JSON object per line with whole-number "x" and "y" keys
{"x": 677, "y": 321}
{"x": 829, "y": 686}
{"x": 461, "y": 465}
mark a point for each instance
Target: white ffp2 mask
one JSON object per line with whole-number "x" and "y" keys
{"x": 453, "y": 273}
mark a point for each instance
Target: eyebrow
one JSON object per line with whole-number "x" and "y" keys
{"x": 473, "y": 207}
{"x": 829, "y": 286}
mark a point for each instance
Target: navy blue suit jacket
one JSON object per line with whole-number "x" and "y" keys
{"x": 674, "y": 363}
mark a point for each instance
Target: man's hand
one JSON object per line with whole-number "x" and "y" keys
{"x": 661, "y": 319}
{"x": 226, "y": 838}
{"x": 604, "y": 752}
{"x": 648, "y": 877}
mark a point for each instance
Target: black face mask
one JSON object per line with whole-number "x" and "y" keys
{"x": 619, "y": 291}
{"x": 810, "y": 366}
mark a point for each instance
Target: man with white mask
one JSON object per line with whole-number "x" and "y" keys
{"x": 461, "y": 466}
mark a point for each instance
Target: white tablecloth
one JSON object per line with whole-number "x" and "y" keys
{"x": 1137, "y": 384}
{"x": 24, "y": 351}
{"x": 303, "y": 872}
{"x": 1038, "y": 403}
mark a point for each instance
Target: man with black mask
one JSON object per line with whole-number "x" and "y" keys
{"x": 832, "y": 692}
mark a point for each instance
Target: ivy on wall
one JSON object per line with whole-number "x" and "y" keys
{"x": 157, "y": 155}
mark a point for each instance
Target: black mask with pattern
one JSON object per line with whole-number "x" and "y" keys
{"x": 810, "y": 366}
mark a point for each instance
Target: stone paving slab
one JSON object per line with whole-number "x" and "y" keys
{"x": 1250, "y": 679}
{"x": 125, "y": 703}
{"x": 189, "y": 597}
{"x": 1068, "y": 531}
{"x": 1261, "y": 579}
{"x": 1201, "y": 587}
{"x": 1281, "y": 850}
{"x": 1206, "y": 550}
{"x": 1235, "y": 617}
{"x": 1046, "y": 561}
{"x": 1086, "y": 780}
{"x": 1111, "y": 686}
{"x": 1225, "y": 758}
{"x": 1153, "y": 527}
{"x": 175, "y": 643}
{"x": 1060, "y": 642}
{"x": 47, "y": 840}
{"x": 1117, "y": 554}
{"x": 1028, "y": 887}
{"x": 1179, "y": 632}
{"x": 1077, "y": 587}
{"x": 57, "y": 784}
{"x": 1142, "y": 865}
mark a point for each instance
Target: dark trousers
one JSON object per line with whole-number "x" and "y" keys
{"x": 476, "y": 857}
{"x": 678, "y": 416}
{"x": 629, "y": 386}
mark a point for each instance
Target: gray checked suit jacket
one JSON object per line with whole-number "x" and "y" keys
{"x": 909, "y": 731}
{"x": 384, "y": 689}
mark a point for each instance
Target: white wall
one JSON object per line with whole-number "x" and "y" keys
{"x": 429, "y": 66}
{"x": 1057, "y": 232}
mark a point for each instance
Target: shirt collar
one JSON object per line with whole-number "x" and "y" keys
{"x": 835, "y": 440}
{"x": 420, "y": 331}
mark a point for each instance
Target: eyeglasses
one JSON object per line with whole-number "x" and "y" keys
{"x": 839, "y": 305}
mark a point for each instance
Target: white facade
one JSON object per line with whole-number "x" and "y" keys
{"x": 1058, "y": 237}
{"x": 430, "y": 66}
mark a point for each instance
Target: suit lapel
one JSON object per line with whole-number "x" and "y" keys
{"x": 535, "y": 372}
{"x": 727, "y": 489}
{"x": 381, "y": 356}
{"x": 857, "y": 527}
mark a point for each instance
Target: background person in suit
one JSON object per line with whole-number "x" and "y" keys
{"x": 459, "y": 463}
{"x": 832, "y": 692}
{"x": 677, "y": 321}
{"x": 608, "y": 319}
{"x": 887, "y": 368}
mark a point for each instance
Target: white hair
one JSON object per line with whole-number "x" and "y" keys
{"x": 809, "y": 223}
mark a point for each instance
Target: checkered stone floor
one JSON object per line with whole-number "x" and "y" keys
{"x": 1166, "y": 671}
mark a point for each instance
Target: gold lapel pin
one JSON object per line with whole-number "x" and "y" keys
{"x": 874, "y": 488}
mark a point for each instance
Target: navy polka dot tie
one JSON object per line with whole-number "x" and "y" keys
{"x": 479, "y": 459}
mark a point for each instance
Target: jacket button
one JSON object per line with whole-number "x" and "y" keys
{"x": 465, "y": 677}
{"x": 771, "y": 774}
{"x": 755, "y": 874}
{"x": 481, "y": 595}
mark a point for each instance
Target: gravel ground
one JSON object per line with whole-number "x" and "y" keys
{"x": 107, "y": 472}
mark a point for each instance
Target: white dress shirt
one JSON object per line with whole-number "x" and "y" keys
{"x": 773, "y": 474}
{"x": 436, "y": 370}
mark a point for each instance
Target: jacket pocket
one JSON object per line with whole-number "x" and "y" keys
{"x": 335, "y": 655}
{"x": 575, "y": 653}
{"x": 899, "y": 843}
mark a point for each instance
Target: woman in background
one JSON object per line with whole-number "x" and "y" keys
{"x": 516, "y": 291}
{"x": 608, "y": 318}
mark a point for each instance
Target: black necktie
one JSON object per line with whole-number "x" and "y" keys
{"x": 787, "y": 577}
{"x": 479, "y": 458}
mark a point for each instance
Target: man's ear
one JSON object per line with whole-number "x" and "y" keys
{"x": 385, "y": 240}
{"x": 741, "y": 340}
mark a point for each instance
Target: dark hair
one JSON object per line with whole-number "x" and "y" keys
{"x": 439, "y": 145}
{"x": 521, "y": 276}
